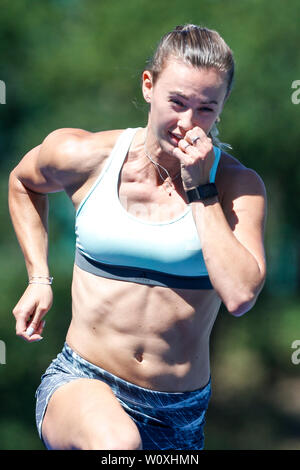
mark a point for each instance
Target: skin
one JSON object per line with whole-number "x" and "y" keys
{"x": 152, "y": 336}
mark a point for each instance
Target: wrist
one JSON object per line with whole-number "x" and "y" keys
{"x": 202, "y": 192}
{"x": 47, "y": 280}
{"x": 192, "y": 185}
{"x": 206, "y": 202}
{"x": 37, "y": 266}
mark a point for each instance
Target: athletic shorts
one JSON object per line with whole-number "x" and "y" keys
{"x": 165, "y": 420}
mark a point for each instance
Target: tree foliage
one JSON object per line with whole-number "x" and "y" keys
{"x": 75, "y": 63}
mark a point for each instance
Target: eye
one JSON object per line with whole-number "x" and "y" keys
{"x": 177, "y": 102}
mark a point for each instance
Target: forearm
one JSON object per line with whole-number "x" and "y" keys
{"x": 234, "y": 271}
{"x": 29, "y": 215}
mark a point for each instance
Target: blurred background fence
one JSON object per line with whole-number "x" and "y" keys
{"x": 75, "y": 63}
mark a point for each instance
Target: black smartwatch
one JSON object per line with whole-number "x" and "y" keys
{"x": 202, "y": 192}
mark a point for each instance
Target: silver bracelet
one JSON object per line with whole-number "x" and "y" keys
{"x": 48, "y": 280}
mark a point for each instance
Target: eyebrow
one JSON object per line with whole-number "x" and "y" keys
{"x": 187, "y": 98}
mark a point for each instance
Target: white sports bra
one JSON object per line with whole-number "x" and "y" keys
{"x": 112, "y": 243}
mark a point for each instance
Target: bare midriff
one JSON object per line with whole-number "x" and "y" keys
{"x": 154, "y": 337}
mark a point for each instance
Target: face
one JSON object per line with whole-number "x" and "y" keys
{"x": 182, "y": 98}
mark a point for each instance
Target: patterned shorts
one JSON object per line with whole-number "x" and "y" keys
{"x": 165, "y": 420}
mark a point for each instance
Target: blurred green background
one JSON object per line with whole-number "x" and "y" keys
{"x": 75, "y": 63}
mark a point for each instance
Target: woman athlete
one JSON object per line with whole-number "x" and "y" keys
{"x": 168, "y": 226}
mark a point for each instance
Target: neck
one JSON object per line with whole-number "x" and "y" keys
{"x": 168, "y": 165}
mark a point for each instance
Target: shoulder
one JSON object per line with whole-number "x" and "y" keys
{"x": 70, "y": 157}
{"x": 65, "y": 159}
{"x": 235, "y": 179}
{"x": 70, "y": 148}
{"x": 242, "y": 195}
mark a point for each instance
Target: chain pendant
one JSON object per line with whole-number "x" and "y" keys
{"x": 168, "y": 187}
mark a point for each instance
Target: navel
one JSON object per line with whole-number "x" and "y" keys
{"x": 139, "y": 356}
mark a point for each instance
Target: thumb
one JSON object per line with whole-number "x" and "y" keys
{"x": 35, "y": 322}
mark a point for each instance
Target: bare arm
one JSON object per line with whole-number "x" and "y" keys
{"x": 232, "y": 241}
{"x": 231, "y": 229}
{"x": 47, "y": 168}
{"x": 26, "y": 206}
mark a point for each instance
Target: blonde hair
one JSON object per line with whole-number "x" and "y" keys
{"x": 197, "y": 46}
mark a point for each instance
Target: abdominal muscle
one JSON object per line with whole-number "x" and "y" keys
{"x": 152, "y": 336}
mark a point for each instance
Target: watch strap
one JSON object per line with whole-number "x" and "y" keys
{"x": 202, "y": 192}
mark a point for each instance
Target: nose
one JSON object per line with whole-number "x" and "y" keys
{"x": 186, "y": 120}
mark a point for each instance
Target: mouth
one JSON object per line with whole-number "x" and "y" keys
{"x": 175, "y": 138}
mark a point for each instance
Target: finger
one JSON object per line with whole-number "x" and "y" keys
{"x": 24, "y": 331}
{"x": 40, "y": 328}
{"x": 183, "y": 156}
{"x": 187, "y": 148}
{"x": 189, "y": 152}
{"x": 196, "y": 131}
{"x": 35, "y": 326}
{"x": 199, "y": 150}
{"x": 36, "y": 323}
{"x": 184, "y": 145}
{"x": 196, "y": 137}
{"x": 37, "y": 335}
{"x": 33, "y": 339}
{"x": 23, "y": 316}
{"x": 32, "y": 335}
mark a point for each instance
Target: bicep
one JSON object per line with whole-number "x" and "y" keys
{"x": 29, "y": 173}
{"x": 46, "y": 168}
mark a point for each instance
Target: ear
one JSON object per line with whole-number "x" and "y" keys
{"x": 147, "y": 85}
